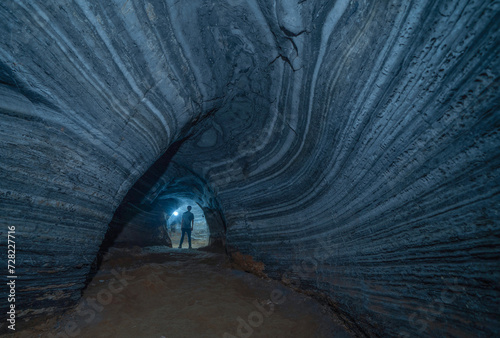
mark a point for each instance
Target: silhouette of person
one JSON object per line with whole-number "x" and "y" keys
{"x": 187, "y": 225}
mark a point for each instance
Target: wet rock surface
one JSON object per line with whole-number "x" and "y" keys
{"x": 349, "y": 146}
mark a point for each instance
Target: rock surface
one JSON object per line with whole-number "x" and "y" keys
{"x": 350, "y": 146}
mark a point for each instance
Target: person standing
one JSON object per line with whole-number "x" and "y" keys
{"x": 187, "y": 225}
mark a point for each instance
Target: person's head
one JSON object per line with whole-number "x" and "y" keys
{"x": 189, "y": 208}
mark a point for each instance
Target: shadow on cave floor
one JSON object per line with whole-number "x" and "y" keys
{"x": 164, "y": 292}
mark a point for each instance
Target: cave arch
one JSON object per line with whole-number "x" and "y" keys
{"x": 165, "y": 187}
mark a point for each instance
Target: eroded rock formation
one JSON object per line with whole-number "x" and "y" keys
{"x": 349, "y": 146}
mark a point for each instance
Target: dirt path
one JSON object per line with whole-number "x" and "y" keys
{"x": 162, "y": 292}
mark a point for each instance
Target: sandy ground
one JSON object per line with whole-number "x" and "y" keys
{"x": 162, "y": 292}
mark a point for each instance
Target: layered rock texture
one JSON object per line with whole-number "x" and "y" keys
{"x": 352, "y": 147}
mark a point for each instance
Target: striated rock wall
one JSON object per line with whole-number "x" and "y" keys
{"x": 132, "y": 226}
{"x": 373, "y": 177}
{"x": 349, "y": 146}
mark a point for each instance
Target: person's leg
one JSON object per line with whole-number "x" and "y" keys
{"x": 189, "y": 237}
{"x": 182, "y": 238}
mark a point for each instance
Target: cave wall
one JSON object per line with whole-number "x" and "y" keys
{"x": 351, "y": 146}
{"x": 373, "y": 180}
{"x": 135, "y": 226}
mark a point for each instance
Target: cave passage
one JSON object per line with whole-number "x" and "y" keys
{"x": 347, "y": 149}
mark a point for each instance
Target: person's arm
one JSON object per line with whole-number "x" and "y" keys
{"x": 192, "y": 224}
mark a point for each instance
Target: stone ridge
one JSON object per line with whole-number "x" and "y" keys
{"x": 351, "y": 147}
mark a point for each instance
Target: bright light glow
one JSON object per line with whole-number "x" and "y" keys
{"x": 176, "y": 213}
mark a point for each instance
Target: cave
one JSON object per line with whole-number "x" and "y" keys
{"x": 346, "y": 153}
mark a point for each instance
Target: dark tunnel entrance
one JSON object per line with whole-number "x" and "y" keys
{"x": 142, "y": 218}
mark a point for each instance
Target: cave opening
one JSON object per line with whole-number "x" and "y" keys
{"x": 201, "y": 233}
{"x": 145, "y": 220}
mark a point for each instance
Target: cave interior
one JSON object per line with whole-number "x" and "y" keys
{"x": 346, "y": 149}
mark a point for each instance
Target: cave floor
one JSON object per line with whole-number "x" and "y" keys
{"x": 164, "y": 292}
